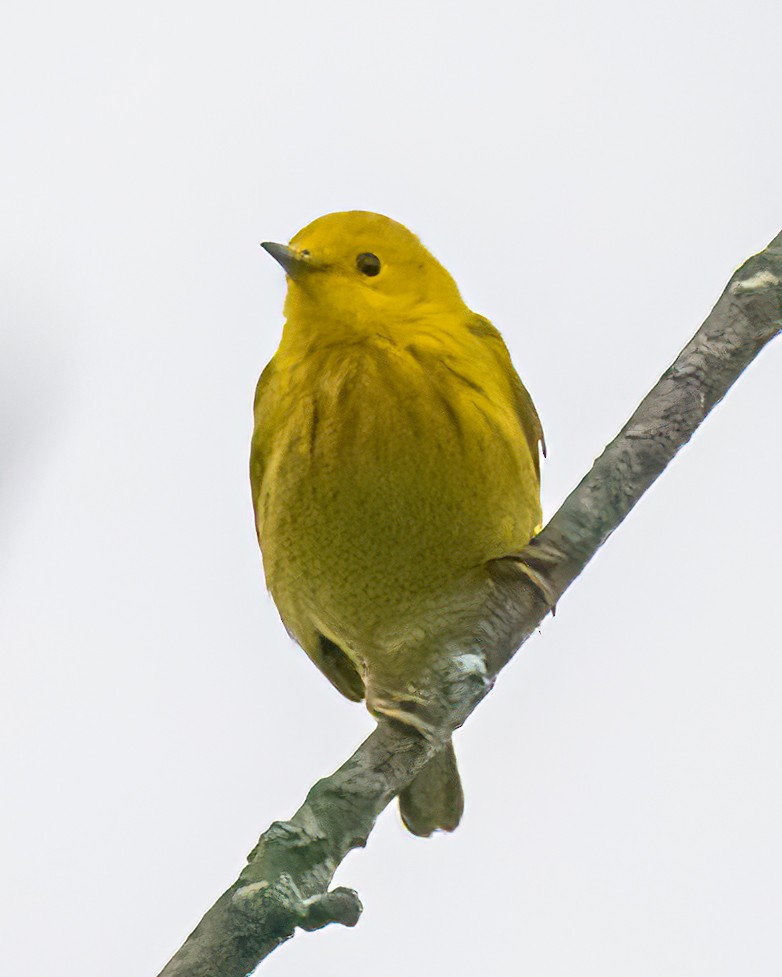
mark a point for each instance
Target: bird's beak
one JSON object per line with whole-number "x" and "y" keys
{"x": 294, "y": 262}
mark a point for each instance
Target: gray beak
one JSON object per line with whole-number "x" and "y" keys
{"x": 292, "y": 261}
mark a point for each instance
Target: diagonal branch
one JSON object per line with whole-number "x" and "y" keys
{"x": 286, "y": 881}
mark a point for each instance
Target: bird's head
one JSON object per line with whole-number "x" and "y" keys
{"x": 362, "y": 271}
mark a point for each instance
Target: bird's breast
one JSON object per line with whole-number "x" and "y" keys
{"x": 393, "y": 472}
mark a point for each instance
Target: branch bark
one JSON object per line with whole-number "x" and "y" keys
{"x": 286, "y": 881}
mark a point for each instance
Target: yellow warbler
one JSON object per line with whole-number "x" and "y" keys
{"x": 394, "y": 458}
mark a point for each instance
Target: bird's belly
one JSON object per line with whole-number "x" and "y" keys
{"x": 388, "y": 493}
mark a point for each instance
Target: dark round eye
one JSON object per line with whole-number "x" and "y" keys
{"x": 368, "y": 264}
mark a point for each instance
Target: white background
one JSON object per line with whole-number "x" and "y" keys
{"x": 591, "y": 173}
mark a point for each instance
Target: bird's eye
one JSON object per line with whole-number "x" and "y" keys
{"x": 368, "y": 264}
{"x": 305, "y": 253}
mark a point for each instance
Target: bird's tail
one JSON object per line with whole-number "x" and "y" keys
{"x": 435, "y": 798}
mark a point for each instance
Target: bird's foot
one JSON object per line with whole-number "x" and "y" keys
{"x": 410, "y": 710}
{"x": 536, "y": 563}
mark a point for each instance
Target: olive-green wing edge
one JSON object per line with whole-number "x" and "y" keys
{"x": 525, "y": 408}
{"x": 257, "y": 445}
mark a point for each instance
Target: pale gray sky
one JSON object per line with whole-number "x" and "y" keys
{"x": 591, "y": 173}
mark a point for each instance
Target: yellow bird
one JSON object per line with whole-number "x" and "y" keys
{"x": 395, "y": 456}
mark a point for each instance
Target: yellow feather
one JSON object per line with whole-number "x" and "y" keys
{"x": 395, "y": 455}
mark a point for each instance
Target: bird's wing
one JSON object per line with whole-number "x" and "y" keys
{"x": 328, "y": 656}
{"x": 522, "y": 402}
{"x": 258, "y": 446}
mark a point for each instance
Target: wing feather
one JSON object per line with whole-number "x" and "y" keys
{"x": 259, "y": 447}
{"x": 525, "y": 408}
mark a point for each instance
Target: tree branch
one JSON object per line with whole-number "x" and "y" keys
{"x": 285, "y": 883}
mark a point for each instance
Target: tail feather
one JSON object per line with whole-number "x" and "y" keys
{"x": 434, "y": 800}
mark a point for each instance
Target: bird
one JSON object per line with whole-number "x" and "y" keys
{"x": 394, "y": 464}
